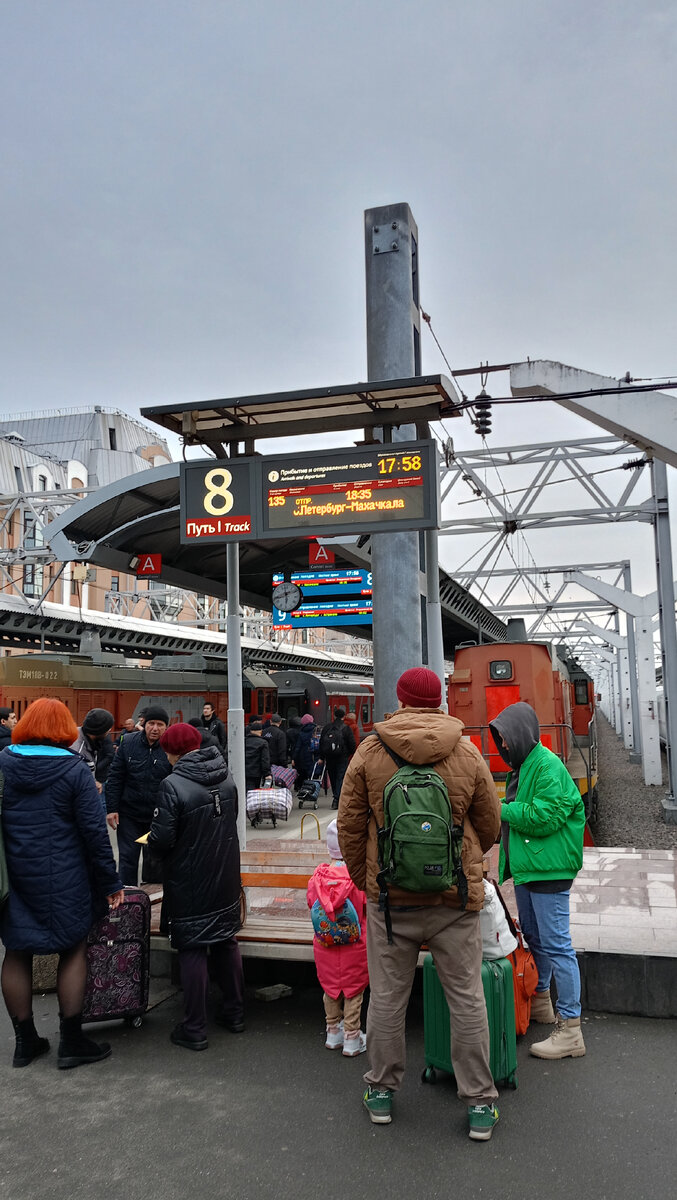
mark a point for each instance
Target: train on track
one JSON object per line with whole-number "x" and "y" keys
{"x": 182, "y": 684}
{"x": 487, "y": 679}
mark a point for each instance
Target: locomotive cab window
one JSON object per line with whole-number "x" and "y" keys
{"x": 581, "y": 691}
{"x": 501, "y": 669}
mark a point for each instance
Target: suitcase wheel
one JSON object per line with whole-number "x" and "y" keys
{"x": 429, "y": 1075}
{"x": 315, "y": 804}
{"x": 133, "y": 1022}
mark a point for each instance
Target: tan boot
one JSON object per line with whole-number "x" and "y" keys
{"x": 565, "y": 1041}
{"x": 542, "y": 1011}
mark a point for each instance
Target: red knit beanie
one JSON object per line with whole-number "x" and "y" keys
{"x": 419, "y": 688}
{"x": 181, "y": 739}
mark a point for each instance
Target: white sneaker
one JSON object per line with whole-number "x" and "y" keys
{"x": 354, "y": 1043}
{"x": 335, "y": 1040}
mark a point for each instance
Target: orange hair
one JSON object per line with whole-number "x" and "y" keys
{"x": 46, "y": 721}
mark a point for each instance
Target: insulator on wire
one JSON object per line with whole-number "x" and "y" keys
{"x": 482, "y": 408}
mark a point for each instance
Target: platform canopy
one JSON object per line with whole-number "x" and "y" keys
{"x": 140, "y": 515}
{"x": 220, "y": 423}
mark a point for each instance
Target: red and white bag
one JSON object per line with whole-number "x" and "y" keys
{"x": 524, "y": 970}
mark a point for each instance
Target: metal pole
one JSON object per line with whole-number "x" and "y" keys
{"x": 636, "y": 752}
{"x": 235, "y": 707}
{"x": 666, "y": 616}
{"x": 434, "y": 610}
{"x": 393, "y": 352}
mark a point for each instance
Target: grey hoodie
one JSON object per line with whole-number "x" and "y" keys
{"x": 518, "y": 724}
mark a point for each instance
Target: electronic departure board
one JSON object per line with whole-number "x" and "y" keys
{"x": 332, "y": 597}
{"x": 375, "y": 488}
{"x": 386, "y": 488}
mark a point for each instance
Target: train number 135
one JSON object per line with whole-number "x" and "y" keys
{"x": 218, "y": 499}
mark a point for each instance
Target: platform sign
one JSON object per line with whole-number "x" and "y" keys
{"x": 320, "y": 556}
{"x": 379, "y": 489}
{"x": 325, "y": 613}
{"x": 218, "y": 501}
{"x": 321, "y": 493}
{"x": 330, "y": 598}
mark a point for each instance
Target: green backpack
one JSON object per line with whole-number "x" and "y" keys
{"x": 419, "y": 847}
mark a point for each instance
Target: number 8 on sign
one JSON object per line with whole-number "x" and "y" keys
{"x": 218, "y": 498}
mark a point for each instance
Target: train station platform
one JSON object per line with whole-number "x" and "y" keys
{"x": 271, "y": 1115}
{"x": 623, "y": 919}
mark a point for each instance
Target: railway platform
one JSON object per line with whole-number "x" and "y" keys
{"x": 271, "y": 1115}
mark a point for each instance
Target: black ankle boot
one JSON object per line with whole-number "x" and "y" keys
{"x": 75, "y": 1048}
{"x": 28, "y": 1044}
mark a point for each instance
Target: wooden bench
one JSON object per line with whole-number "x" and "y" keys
{"x": 275, "y": 881}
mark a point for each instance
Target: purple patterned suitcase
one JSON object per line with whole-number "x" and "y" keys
{"x": 118, "y": 962}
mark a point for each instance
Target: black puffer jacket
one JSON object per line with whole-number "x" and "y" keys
{"x": 277, "y": 744}
{"x": 256, "y": 759}
{"x": 194, "y": 830}
{"x": 135, "y": 776}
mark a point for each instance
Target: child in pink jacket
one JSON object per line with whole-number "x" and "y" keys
{"x": 341, "y": 969}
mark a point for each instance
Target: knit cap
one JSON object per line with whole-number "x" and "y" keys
{"x": 419, "y": 688}
{"x": 155, "y": 712}
{"x": 332, "y": 840}
{"x": 180, "y": 739}
{"x": 307, "y": 719}
{"x": 98, "y": 722}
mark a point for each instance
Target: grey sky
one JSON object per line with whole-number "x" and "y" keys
{"x": 184, "y": 183}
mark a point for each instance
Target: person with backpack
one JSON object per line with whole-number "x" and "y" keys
{"x": 276, "y": 738}
{"x": 337, "y": 744}
{"x": 338, "y": 912}
{"x": 418, "y": 812}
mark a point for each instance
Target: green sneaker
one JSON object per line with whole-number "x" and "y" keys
{"x": 481, "y": 1119}
{"x": 379, "y": 1104}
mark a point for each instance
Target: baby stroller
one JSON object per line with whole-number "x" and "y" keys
{"x": 309, "y": 791}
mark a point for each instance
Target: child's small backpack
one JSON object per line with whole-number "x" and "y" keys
{"x": 341, "y": 930}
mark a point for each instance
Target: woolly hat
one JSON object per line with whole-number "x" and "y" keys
{"x": 155, "y": 712}
{"x": 332, "y": 840}
{"x": 97, "y": 722}
{"x": 419, "y": 688}
{"x": 307, "y": 719}
{"x": 180, "y": 739}
{"x": 256, "y": 726}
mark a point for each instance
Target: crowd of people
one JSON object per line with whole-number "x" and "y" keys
{"x": 172, "y": 783}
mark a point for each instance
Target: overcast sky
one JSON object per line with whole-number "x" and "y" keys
{"x": 184, "y": 187}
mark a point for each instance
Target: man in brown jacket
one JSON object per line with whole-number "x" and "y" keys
{"x": 420, "y": 733}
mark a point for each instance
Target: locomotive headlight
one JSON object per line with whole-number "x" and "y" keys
{"x": 500, "y": 669}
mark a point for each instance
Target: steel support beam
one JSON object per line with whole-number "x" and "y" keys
{"x": 393, "y": 352}
{"x": 666, "y": 616}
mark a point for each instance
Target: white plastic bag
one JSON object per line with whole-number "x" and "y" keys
{"x": 497, "y": 939}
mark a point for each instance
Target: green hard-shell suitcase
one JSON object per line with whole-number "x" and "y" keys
{"x": 500, "y": 1001}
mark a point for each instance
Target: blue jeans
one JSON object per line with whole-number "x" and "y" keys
{"x": 544, "y": 918}
{"x": 129, "y": 849}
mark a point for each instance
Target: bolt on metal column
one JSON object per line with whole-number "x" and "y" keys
{"x": 393, "y": 352}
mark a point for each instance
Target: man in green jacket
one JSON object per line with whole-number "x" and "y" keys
{"x": 542, "y": 824}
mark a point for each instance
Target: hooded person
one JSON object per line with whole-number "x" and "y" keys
{"x": 95, "y": 745}
{"x": 303, "y": 759}
{"x": 341, "y": 967}
{"x": 542, "y": 826}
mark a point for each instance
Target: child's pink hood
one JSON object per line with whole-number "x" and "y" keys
{"x": 332, "y": 885}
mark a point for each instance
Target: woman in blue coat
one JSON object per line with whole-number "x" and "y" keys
{"x": 61, "y": 876}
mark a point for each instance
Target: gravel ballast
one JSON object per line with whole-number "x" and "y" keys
{"x": 630, "y": 813}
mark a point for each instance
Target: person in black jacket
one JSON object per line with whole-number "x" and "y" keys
{"x": 138, "y": 769}
{"x": 276, "y": 738}
{"x": 293, "y": 731}
{"x": 212, "y": 723}
{"x": 337, "y": 745}
{"x": 208, "y": 739}
{"x": 194, "y": 830}
{"x": 256, "y": 756}
{"x": 7, "y": 723}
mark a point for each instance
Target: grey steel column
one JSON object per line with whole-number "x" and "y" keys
{"x": 434, "y": 610}
{"x": 636, "y": 752}
{"x": 666, "y": 616}
{"x": 235, "y": 707}
{"x": 393, "y": 352}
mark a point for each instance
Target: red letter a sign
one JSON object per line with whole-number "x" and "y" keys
{"x": 149, "y": 564}
{"x": 319, "y": 556}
